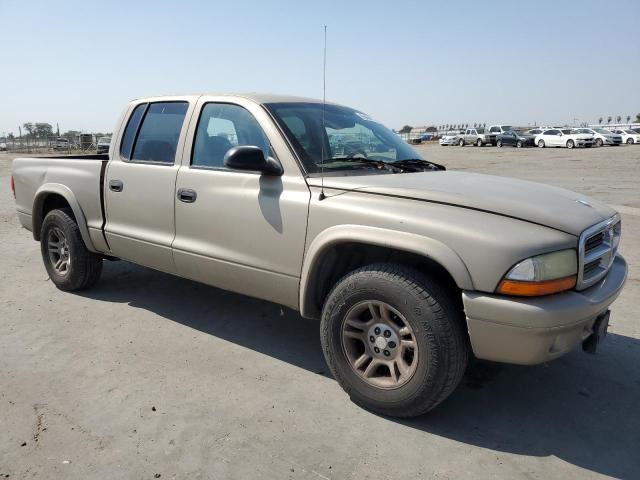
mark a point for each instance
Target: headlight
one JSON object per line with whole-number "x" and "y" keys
{"x": 541, "y": 275}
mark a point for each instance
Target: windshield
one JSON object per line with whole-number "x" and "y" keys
{"x": 506, "y": 128}
{"x": 348, "y": 135}
{"x": 632, "y": 132}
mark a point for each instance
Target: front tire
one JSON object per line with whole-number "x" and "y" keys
{"x": 393, "y": 339}
{"x": 519, "y": 144}
{"x": 71, "y": 267}
{"x": 478, "y": 143}
{"x": 599, "y": 142}
{"x": 499, "y": 144}
{"x": 541, "y": 143}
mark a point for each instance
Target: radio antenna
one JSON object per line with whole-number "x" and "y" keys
{"x": 324, "y": 102}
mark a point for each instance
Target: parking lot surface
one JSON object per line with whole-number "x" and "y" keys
{"x": 152, "y": 376}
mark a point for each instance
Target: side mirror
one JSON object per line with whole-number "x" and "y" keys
{"x": 252, "y": 159}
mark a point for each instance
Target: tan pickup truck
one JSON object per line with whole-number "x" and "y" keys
{"x": 410, "y": 268}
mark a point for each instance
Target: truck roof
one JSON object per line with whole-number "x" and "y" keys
{"x": 259, "y": 98}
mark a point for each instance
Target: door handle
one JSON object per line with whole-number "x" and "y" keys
{"x": 187, "y": 195}
{"x": 116, "y": 185}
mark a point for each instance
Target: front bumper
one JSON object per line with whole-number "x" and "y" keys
{"x": 528, "y": 331}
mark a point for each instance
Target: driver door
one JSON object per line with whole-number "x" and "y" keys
{"x": 239, "y": 230}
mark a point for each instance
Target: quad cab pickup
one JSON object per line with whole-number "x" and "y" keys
{"x": 411, "y": 269}
{"x": 474, "y": 136}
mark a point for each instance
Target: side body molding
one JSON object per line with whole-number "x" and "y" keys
{"x": 409, "y": 242}
{"x": 58, "y": 189}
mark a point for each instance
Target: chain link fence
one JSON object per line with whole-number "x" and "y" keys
{"x": 82, "y": 143}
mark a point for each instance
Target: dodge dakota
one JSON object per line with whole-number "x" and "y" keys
{"x": 411, "y": 269}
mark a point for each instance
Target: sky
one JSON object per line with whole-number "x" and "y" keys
{"x": 418, "y": 63}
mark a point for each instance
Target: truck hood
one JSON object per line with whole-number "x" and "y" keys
{"x": 533, "y": 202}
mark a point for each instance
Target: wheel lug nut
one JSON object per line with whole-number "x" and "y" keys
{"x": 387, "y": 333}
{"x": 386, "y": 353}
{"x": 392, "y": 344}
{"x": 376, "y": 349}
{"x": 377, "y": 330}
{"x": 372, "y": 338}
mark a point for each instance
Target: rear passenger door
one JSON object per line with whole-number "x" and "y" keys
{"x": 140, "y": 183}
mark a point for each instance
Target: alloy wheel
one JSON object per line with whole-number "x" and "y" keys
{"x": 379, "y": 344}
{"x": 58, "y": 248}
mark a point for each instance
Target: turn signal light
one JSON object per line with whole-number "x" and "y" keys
{"x": 536, "y": 289}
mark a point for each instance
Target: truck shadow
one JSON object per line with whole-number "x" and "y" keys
{"x": 581, "y": 409}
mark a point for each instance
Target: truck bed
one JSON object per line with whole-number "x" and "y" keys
{"x": 78, "y": 179}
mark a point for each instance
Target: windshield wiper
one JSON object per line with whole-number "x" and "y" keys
{"x": 417, "y": 164}
{"x": 365, "y": 162}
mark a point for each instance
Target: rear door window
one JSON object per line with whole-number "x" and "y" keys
{"x": 157, "y": 137}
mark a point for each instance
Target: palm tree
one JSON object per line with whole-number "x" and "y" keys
{"x": 600, "y": 120}
{"x": 475, "y": 125}
{"x": 608, "y": 119}
{"x": 628, "y": 118}
{"x": 618, "y": 119}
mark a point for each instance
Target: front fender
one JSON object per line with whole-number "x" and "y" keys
{"x": 58, "y": 189}
{"x": 409, "y": 242}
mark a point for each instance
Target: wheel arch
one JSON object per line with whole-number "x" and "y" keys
{"x": 341, "y": 249}
{"x": 51, "y": 196}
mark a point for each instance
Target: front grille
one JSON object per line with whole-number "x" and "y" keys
{"x": 597, "y": 250}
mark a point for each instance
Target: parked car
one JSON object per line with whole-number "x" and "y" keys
{"x": 602, "y": 136}
{"x": 103, "y": 145}
{"x": 409, "y": 268}
{"x": 536, "y": 131}
{"x": 515, "y": 138}
{"x": 3, "y": 147}
{"x": 425, "y": 137}
{"x": 449, "y": 138}
{"x": 568, "y": 138}
{"x": 61, "y": 143}
{"x": 473, "y": 136}
{"x": 628, "y": 136}
{"x": 495, "y": 130}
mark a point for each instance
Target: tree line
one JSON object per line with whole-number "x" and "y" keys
{"x": 33, "y": 130}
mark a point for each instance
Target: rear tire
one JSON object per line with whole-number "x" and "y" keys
{"x": 71, "y": 267}
{"x": 461, "y": 142}
{"x": 629, "y": 141}
{"x": 417, "y": 328}
{"x": 570, "y": 144}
